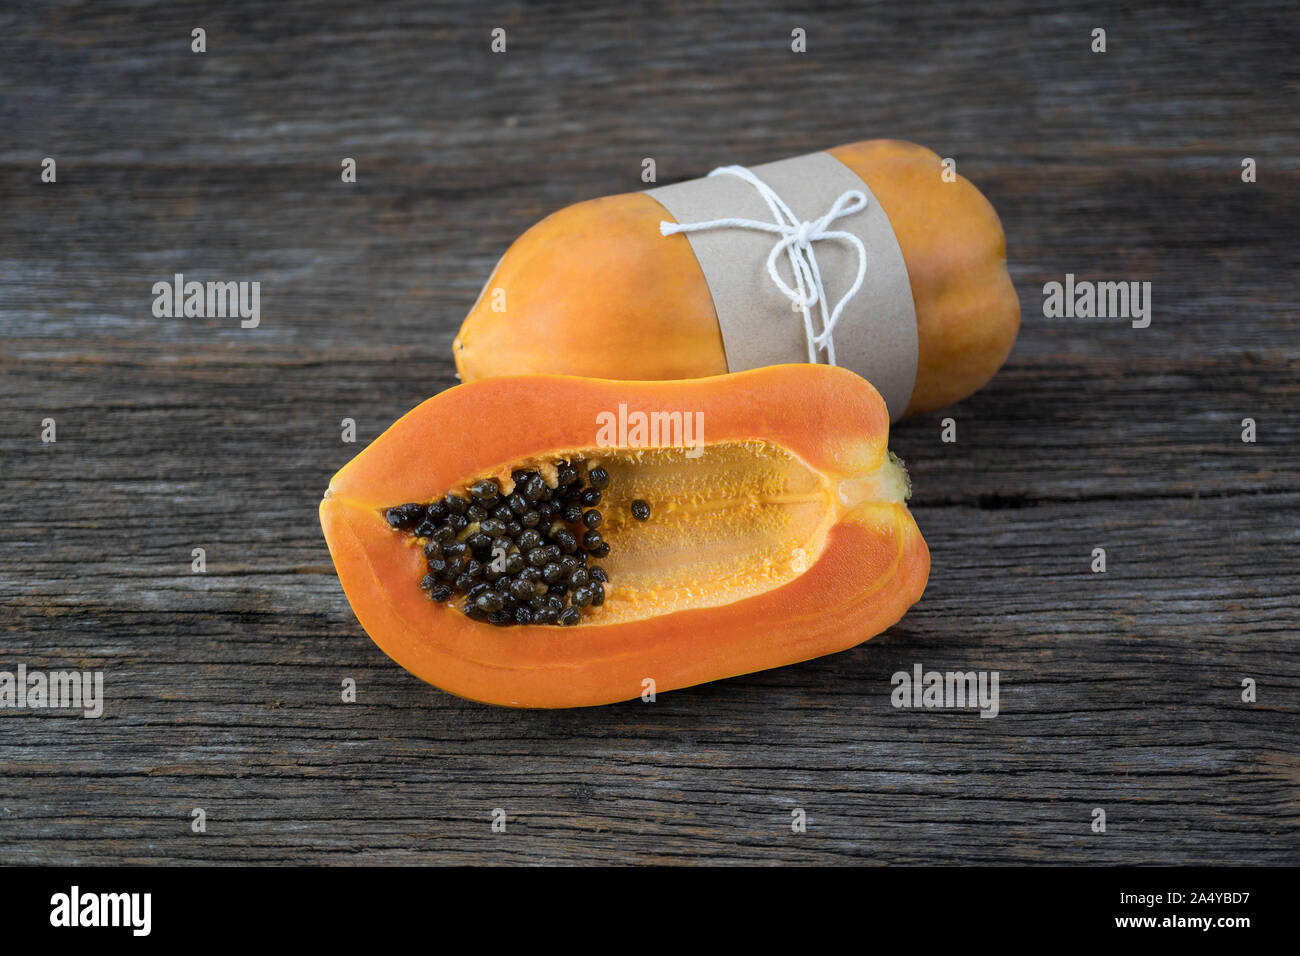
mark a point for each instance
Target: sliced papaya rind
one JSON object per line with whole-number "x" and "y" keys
{"x": 582, "y": 666}
{"x": 872, "y": 566}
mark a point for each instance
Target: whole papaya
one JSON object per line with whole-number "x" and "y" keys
{"x": 595, "y": 290}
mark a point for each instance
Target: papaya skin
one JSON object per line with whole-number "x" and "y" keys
{"x": 594, "y": 290}
{"x": 583, "y": 298}
{"x": 871, "y": 562}
{"x": 967, "y": 310}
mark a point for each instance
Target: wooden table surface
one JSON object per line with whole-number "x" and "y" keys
{"x": 1120, "y": 691}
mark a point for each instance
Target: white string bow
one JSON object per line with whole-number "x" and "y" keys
{"x": 796, "y": 240}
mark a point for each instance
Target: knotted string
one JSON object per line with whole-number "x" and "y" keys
{"x": 797, "y": 237}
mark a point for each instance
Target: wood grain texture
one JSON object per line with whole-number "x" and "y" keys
{"x": 1119, "y": 691}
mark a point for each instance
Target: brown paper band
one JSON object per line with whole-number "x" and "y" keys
{"x": 876, "y": 333}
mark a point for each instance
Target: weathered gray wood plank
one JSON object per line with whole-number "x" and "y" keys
{"x": 1120, "y": 690}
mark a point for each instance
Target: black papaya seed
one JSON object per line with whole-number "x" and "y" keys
{"x": 487, "y": 488}
{"x": 490, "y": 601}
{"x": 405, "y": 517}
{"x": 534, "y": 488}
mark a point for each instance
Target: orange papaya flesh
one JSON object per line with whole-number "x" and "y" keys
{"x": 595, "y": 290}
{"x": 781, "y": 537}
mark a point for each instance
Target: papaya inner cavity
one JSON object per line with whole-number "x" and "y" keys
{"x": 675, "y": 529}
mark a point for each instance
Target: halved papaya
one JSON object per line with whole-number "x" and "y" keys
{"x": 742, "y": 522}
